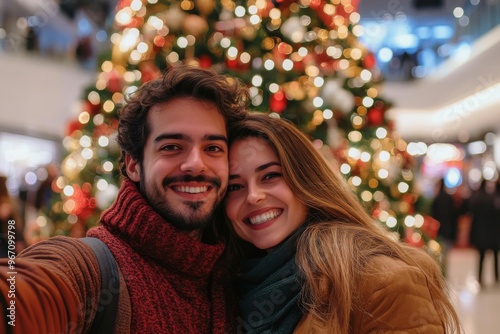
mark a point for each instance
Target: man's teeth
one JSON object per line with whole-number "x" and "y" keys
{"x": 260, "y": 219}
{"x": 191, "y": 190}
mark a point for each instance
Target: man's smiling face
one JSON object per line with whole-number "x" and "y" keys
{"x": 184, "y": 172}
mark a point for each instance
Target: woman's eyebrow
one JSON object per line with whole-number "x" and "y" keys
{"x": 257, "y": 169}
{"x": 269, "y": 164}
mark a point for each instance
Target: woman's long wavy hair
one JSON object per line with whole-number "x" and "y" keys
{"x": 341, "y": 236}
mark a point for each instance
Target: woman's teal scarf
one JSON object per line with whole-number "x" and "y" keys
{"x": 270, "y": 288}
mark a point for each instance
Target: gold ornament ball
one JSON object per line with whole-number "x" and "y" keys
{"x": 173, "y": 17}
{"x": 205, "y": 7}
{"x": 195, "y": 25}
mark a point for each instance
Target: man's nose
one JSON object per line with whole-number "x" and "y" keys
{"x": 194, "y": 162}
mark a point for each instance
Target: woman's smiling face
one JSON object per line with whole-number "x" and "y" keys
{"x": 261, "y": 206}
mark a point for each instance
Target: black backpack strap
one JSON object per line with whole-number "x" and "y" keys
{"x": 105, "y": 317}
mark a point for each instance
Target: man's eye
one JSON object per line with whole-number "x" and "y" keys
{"x": 233, "y": 187}
{"x": 214, "y": 149}
{"x": 170, "y": 147}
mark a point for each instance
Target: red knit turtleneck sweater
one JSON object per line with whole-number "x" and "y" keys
{"x": 174, "y": 282}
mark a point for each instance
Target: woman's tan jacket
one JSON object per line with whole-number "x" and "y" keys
{"x": 395, "y": 298}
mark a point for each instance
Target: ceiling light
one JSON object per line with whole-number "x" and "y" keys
{"x": 385, "y": 55}
{"x": 442, "y": 32}
{"x": 405, "y": 41}
{"x": 458, "y": 12}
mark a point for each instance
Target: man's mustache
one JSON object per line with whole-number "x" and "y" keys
{"x": 216, "y": 182}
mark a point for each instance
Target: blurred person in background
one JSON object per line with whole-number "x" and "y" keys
{"x": 445, "y": 211}
{"x": 44, "y": 192}
{"x": 485, "y": 226}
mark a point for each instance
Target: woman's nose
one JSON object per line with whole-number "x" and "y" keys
{"x": 255, "y": 194}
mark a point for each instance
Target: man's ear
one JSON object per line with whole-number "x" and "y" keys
{"x": 133, "y": 168}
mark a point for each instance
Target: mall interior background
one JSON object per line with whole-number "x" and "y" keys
{"x": 439, "y": 59}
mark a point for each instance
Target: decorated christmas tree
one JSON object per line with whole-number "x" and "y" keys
{"x": 300, "y": 59}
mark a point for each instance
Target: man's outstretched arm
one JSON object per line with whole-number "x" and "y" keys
{"x": 51, "y": 287}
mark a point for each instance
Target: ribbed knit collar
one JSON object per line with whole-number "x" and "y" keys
{"x": 131, "y": 218}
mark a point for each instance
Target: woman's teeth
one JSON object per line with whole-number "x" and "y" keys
{"x": 262, "y": 218}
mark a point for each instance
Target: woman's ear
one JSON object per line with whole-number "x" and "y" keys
{"x": 133, "y": 168}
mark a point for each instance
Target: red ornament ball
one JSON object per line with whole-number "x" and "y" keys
{"x": 277, "y": 102}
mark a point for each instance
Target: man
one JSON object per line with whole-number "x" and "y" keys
{"x": 173, "y": 134}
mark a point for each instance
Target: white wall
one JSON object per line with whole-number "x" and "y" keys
{"x": 461, "y": 98}
{"x": 39, "y": 96}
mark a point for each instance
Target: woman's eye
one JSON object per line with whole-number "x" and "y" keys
{"x": 233, "y": 187}
{"x": 270, "y": 176}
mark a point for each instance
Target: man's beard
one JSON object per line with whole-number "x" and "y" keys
{"x": 190, "y": 217}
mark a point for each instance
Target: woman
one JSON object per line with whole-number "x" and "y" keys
{"x": 284, "y": 199}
